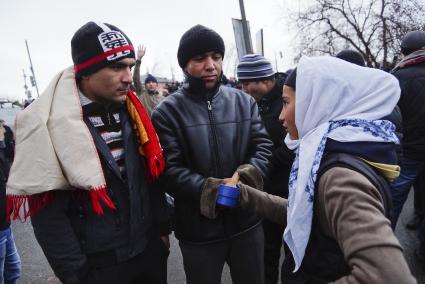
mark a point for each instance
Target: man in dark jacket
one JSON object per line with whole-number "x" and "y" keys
{"x": 209, "y": 131}
{"x": 10, "y": 262}
{"x": 411, "y": 74}
{"x": 126, "y": 242}
{"x": 9, "y": 146}
{"x": 260, "y": 81}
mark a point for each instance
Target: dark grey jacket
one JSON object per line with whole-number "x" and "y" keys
{"x": 270, "y": 107}
{"x": 74, "y": 239}
{"x": 209, "y": 135}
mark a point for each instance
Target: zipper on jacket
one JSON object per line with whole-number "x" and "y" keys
{"x": 214, "y": 135}
{"x": 109, "y": 118}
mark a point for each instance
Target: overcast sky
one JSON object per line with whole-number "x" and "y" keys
{"x": 49, "y": 25}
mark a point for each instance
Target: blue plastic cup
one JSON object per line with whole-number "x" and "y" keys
{"x": 228, "y": 195}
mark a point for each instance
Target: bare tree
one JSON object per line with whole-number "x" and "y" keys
{"x": 372, "y": 27}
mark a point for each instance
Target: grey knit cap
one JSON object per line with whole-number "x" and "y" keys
{"x": 254, "y": 67}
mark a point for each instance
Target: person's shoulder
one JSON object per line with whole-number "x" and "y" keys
{"x": 411, "y": 72}
{"x": 343, "y": 182}
{"x": 169, "y": 102}
{"x": 236, "y": 93}
{"x": 7, "y": 128}
{"x": 230, "y": 90}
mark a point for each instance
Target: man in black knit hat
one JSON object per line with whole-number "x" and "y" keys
{"x": 410, "y": 72}
{"x": 104, "y": 221}
{"x": 209, "y": 132}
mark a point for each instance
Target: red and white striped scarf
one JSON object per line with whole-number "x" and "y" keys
{"x": 413, "y": 58}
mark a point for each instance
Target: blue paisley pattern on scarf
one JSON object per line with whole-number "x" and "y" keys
{"x": 378, "y": 128}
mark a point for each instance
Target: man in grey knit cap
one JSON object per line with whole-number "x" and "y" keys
{"x": 265, "y": 85}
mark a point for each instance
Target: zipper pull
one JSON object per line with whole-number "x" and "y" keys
{"x": 209, "y": 105}
{"x": 109, "y": 118}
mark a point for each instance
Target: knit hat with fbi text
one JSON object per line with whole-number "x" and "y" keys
{"x": 97, "y": 45}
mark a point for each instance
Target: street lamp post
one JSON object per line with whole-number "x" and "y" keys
{"x": 246, "y": 36}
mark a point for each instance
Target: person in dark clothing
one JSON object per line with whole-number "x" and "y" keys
{"x": 260, "y": 81}
{"x": 97, "y": 211}
{"x": 7, "y": 147}
{"x": 10, "y": 263}
{"x": 410, "y": 72}
{"x": 418, "y": 203}
{"x": 351, "y": 56}
{"x": 209, "y": 131}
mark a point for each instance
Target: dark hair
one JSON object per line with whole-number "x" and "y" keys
{"x": 291, "y": 80}
{"x": 351, "y": 56}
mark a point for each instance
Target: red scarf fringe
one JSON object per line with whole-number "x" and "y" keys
{"x": 97, "y": 194}
{"x": 152, "y": 149}
{"x": 21, "y": 207}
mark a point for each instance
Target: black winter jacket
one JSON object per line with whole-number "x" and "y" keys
{"x": 270, "y": 106}
{"x": 412, "y": 106}
{"x": 4, "y": 220}
{"x": 209, "y": 135}
{"x": 75, "y": 239}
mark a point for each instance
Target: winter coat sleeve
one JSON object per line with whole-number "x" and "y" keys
{"x": 261, "y": 145}
{"x": 136, "y": 77}
{"x": 269, "y": 206}
{"x": 54, "y": 233}
{"x": 180, "y": 180}
{"x": 249, "y": 176}
{"x": 351, "y": 211}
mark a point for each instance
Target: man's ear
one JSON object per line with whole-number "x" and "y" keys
{"x": 268, "y": 82}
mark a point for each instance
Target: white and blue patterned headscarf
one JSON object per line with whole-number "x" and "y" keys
{"x": 338, "y": 100}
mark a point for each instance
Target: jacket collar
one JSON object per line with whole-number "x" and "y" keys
{"x": 196, "y": 86}
{"x": 274, "y": 93}
{"x": 268, "y": 101}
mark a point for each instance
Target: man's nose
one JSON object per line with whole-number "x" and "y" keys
{"x": 127, "y": 76}
{"x": 209, "y": 63}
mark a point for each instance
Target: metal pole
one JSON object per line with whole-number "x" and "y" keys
{"x": 32, "y": 69}
{"x": 246, "y": 36}
{"x": 27, "y": 92}
{"x": 25, "y": 80}
{"x": 275, "y": 62}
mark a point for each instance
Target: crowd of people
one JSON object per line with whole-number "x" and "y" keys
{"x": 321, "y": 159}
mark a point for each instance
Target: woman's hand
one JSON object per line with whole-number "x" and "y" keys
{"x": 233, "y": 181}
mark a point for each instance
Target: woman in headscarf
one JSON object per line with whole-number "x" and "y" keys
{"x": 337, "y": 214}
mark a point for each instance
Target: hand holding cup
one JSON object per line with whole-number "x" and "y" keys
{"x": 228, "y": 193}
